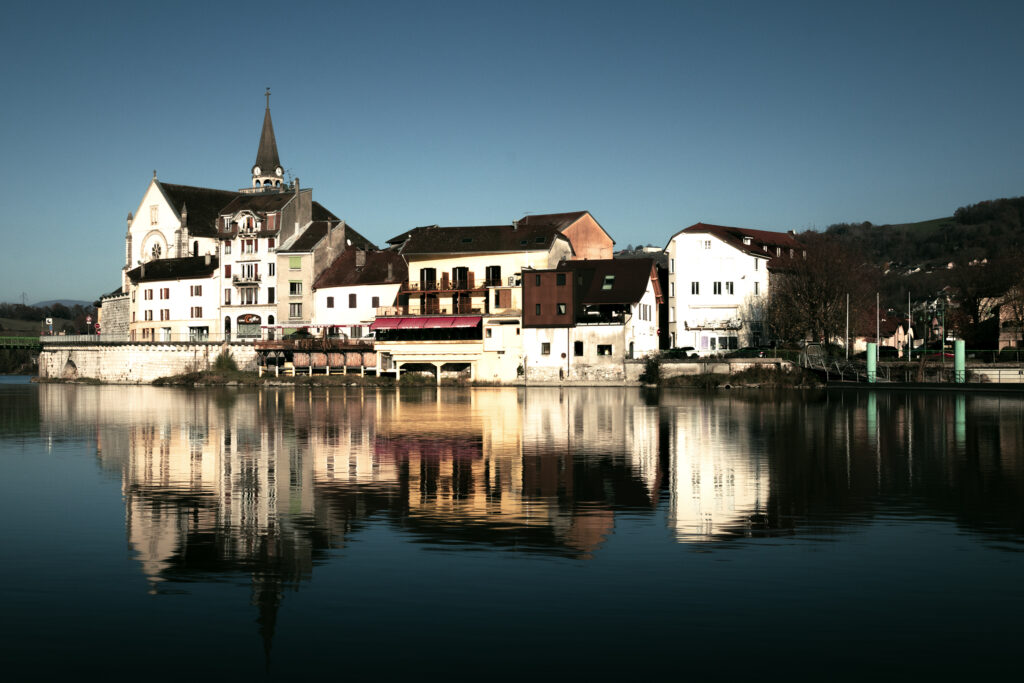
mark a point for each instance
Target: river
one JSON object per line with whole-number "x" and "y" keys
{"x": 509, "y": 533}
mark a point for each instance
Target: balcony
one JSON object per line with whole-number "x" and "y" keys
{"x": 239, "y": 280}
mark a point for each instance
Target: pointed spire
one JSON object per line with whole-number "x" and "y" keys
{"x": 266, "y": 156}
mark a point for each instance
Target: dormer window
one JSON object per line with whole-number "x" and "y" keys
{"x": 747, "y": 241}
{"x": 609, "y": 282}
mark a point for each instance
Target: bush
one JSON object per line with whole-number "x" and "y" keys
{"x": 225, "y": 361}
{"x": 652, "y": 369}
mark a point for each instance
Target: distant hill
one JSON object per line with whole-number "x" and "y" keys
{"x": 67, "y": 302}
{"x": 985, "y": 230}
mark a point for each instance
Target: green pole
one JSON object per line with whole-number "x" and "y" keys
{"x": 872, "y": 362}
{"x": 960, "y": 361}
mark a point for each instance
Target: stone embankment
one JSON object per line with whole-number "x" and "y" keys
{"x": 135, "y": 363}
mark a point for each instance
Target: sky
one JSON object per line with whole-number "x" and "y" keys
{"x": 653, "y": 116}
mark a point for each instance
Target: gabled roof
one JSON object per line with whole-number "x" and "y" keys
{"x": 343, "y": 272}
{"x": 186, "y": 268}
{"x": 629, "y": 279}
{"x": 305, "y": 240}
{"x": 559, "y": 221}
{"x": 734, "y": 237}
{"x": 477, "y": 239}
{"x": 203, "y": 205}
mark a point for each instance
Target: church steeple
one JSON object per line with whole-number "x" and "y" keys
{"x": 267, "y": 172}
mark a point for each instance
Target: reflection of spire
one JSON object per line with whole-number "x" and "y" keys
{"x": 266, "y": 589}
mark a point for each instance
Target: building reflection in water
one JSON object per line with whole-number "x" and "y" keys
{"x": 264, "y": 484}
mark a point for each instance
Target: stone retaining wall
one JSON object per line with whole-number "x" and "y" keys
{"x": 133, "y": 363}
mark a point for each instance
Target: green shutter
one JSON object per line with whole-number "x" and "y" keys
{"x": 294, "y": 262}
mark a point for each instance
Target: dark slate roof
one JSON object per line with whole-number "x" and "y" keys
{"x": 323, "y": 214}
{"x": 260, "y": 202}
{"x": 317, "y": 230}
{"x": 266, "y": 155}
{"x": 759, "y": 238}
{"x": 474, "y": 239}
{"x": 203, "y": 204}
{"x": 307, "y": 239}
{"x": 632, "y": 277}
{"x": 559, "y": 221}
{"x": 343, "y": 272}
{"x": 174, "y": 269}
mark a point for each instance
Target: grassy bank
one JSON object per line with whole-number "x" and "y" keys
{"x": 749, "y": 378}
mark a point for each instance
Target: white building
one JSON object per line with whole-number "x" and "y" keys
{"x": 348, "y": 295}
{"x": 173, "y": 300}
{"x": 718, "y": 285}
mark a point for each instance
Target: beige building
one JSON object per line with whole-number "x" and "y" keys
{"x": 461, "y": 310}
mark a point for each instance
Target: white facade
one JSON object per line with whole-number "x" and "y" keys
{"x": 717, "y": 294}
{"x": 249, "y": 276}
{"x": 174, "y": 310}
{"x": 155, "y": 232}
{"x": 352, "y": 306}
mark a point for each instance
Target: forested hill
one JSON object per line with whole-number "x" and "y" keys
{"x": 980, "y": 231}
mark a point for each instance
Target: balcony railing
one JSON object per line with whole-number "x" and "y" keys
{"x": 246, "y": 279}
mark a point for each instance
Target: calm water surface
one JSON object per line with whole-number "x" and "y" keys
{"x": 156, "y": 533}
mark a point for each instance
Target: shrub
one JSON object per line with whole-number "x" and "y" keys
{"x": 225, "y": 361}
{"x": 652, "y": 369}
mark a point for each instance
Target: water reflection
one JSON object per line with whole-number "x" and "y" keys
{"x": 262, "y": 486}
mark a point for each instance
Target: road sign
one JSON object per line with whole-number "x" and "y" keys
{"x": 88, "y": 320}
{"x": 97, "y": 326}
{"x": 49, "y": 321}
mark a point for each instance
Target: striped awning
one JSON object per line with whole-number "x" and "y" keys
{"x": 432, "y": 323}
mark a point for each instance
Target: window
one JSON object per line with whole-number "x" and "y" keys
{"x": 165, "y": 292}
{"x": 694, "y": 288}
{"x": 671, "y": 265}
{"x": 757, "y": 289}
{"x": 165, "y": 314}
{"x": 294, "y": 311}
{"x": 197, "y": 311}
{"x": 375, "y": 302}
{"x": 270, "y": 245}
{"x": 154, "y": 214}
{"x": 148, "y": 295}
{"x": 717, "y": 288}
{"x": 227, "y": 272}
{"x": 560, "y": 279}
{"x": 487, "y": 332}
{"x": 561, "y": 309}
{"x": 270, "y": 295}
{"x": 227, "y": 247}
{"x": 536, "y": 309}
{"x": 577, "y": 348}
{"x": 537, "y": 281}
{"x": 757, "y": 264}
{"x": 604, "y": 349}
{"x": 493, "y": 276}
{"x": 147, "y": 315}
{"x": 195, "y": 290}
{"x": 271, "y": 269}
{"x": 295, "y": 288}
{"x": 671, "y": 289}
{"x": 330, "y": 302}
{"x": 609, "y": 282}
{"x": 227, "y": 297}
{"x": 351, "y": 300}
{"x": 729, "y": 289}
{"x": 545, "y": 348}
{"x": 294, "y": 262}
{"x": 707, "y": 244}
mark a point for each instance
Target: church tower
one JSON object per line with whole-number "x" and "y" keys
{"x": 267, "y": 172}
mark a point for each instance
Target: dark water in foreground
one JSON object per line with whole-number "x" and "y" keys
{"x": 158, "y": 533}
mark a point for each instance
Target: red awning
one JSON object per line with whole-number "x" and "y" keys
{"x": 385, "y": 323}
{"x": 472, "y": 321}
{"x": 411, "y": 323}
{"x": 435, "y": 323}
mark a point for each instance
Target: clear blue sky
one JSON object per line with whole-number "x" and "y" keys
{"x": 651, "y": 115}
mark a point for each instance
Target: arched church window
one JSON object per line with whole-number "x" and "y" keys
{"x": 156, "y": 251}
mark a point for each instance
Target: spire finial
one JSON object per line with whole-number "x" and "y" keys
{"x": 268, "y": 98}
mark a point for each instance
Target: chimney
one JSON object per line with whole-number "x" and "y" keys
{"x": 391, "y": 271}
{"x": 207, "y": 259}
{"x": 142, "y": 272}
